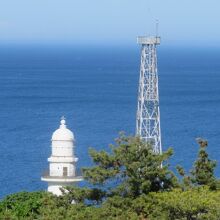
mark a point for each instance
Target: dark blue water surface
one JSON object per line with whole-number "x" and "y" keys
{"x": 96, "y": 89}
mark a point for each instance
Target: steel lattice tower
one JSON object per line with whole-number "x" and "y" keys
{"x": 148, "y": 112}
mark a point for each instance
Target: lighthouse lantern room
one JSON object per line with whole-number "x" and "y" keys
{"x": 62, "y": 162}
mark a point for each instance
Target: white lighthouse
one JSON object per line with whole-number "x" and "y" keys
{"x": 62, "y": 162}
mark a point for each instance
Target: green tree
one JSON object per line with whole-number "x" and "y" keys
{"x": 203, "y": 169}
{"x": 202, "y": 172}
{"x": 130, "y": 169}
{"x": 192, "y": 204}
{"x": 129, "y": 183}
{"x": 23, "y": 204}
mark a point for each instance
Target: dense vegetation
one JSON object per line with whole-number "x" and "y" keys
{"x": 130, "y": 182}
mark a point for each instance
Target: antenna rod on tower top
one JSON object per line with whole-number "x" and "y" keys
{"x": 157, "y": 27}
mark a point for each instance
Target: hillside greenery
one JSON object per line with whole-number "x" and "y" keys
{"x": 130, "y": 182}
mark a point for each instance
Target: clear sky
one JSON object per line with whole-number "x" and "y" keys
{"x": 193, "y": 22}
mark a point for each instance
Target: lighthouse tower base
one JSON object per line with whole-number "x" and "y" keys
{"x": 55, "y": 188}
{"x": 55, "y": 183}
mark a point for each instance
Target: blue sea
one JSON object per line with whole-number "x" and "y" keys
{"x": 95, "y": 88}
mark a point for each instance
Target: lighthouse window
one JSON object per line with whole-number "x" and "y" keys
{"x": 64, "y": 171}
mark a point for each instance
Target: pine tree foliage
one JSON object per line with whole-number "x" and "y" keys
{"x": 203, "y": 169}
{"x": 129, "y": 183}
{"x": 131, "y": 169}
{"x": 202, "y": 173}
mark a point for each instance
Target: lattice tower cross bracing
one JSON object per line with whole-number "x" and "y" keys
{"x": 148, "y": 112}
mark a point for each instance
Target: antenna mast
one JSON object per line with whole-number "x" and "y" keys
{"x": 157, "y": 27}
{"x": 148, "y": 112}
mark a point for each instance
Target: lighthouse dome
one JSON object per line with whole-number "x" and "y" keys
{"x": 63, "y": 133}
